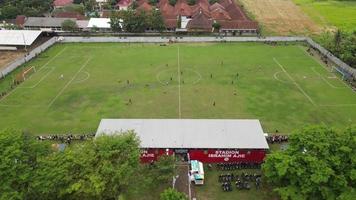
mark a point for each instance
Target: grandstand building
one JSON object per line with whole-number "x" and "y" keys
{"x": 17, "y": 39}
{"x": 206, "y": 140}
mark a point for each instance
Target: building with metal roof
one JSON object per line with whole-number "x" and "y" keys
{"x": 18, "y": 37}
{"x": 101, "y": 23}
{"x": 46, "y": 23}
{"x": 203, "y": 139}
{"x": 190, "y": 133}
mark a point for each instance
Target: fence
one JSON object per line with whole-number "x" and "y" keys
{"x": 164, "y": 39}
{"x": 20, "y": 61}
{"x": 340, "y": 64}
{"x": 181, "y": 39}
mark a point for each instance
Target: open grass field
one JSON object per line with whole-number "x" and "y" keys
{"x": 281, "y": 17}
{"x": 280, "y": 85}
{"x": 339, "y": 14}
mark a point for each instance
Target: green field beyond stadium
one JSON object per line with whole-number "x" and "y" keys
{"x": 76, "y": 85}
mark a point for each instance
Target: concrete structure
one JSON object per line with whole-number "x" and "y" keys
{"x": 206, "y": 140}
{"x": 47, "y": 24}
{"x": 18, "y": 37}
{"x": 100, "y": 23}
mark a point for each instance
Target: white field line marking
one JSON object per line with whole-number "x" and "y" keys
{"x": 295, "y": 83}
{"x": 84, "y": 79}
{"x": 323, "y": 66}
{"x": 20, "y": 105}
{"x": 326, "y": 81}
{"x": 69, "y": 82}
{"x": 337, "y": 105}
{"x": 276, "y": 77}
{"x": 43, "y": 66}
{"x": 179, "y": 97}
{"x": 42, "y": 78}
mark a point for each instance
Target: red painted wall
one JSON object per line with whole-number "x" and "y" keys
{"x": 150, "y": 155}
{"x": 208, "y": 156}
{"x": 220, "y": 156}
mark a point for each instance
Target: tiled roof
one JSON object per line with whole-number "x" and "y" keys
{"x": 20, "y": 20}
{"x": 203, "y": 14}
{"x": 237, "y": 24}
{"x": 123, "y": 3}
{"x": 62, "y": 2}
{"x": 170, "y": 23}
{"x": 220, "y": 14}
{"x": 235, "y": 12}
{"x": 145, "y": 6}
{"x": 200, "y": 22}
{"x": 182, "y": 8}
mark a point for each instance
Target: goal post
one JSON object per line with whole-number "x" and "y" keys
{"x": 28, "y": 72}
{"x": 25, "y": 74}
{"x": 339, "y": 71}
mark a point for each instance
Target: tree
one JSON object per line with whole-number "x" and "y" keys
{"x": 342, "y": 44}
{"x": 216, "y": 26}
{"x": 319, "y": 163}
{"x": 172, "y": 2}
{"x": 212, "y": 1}
{"x": 172, "y": 194}
{"x": 69, "y": 25}
{"x": 155, "y": 20}
{"x": 116, "y": 22}
{"x": 134, "y": 22}
{"x": 89, "y": 5}
{"x": 337, "y": 39}
{"x": 153, "y": 2}
{"x": 18, "y": 158}
{"x": 12, "y": 8}
{"x": 77, "y": 1}
{"x": 164, "y": 169}
{"x": 100, "y": 169}
{"x": 179, "y": 22}
{"x": 134, "y": 5}
{"x": 191, "y": 2}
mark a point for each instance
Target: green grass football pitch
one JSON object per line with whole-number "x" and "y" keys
{"x": 282, "y": 86}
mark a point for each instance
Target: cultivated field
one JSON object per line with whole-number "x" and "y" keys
{"x": 339, "y": 14}
{"x": 78, "y": 84}
{"x": 281, "y": 17}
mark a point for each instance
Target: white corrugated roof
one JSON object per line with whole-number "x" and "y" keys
{"x": 190, "y": 133}
{"x": 18, "y": 37}
{"x": 99, "y": 23}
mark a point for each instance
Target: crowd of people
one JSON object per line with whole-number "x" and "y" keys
{"x": 238, "y": 165}
{"x": 66, "y": 138}
{"x": 272, "y": 139}
{"x": 242, "y": 182}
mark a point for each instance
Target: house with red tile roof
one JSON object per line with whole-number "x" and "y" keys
{"x": 123, "y": 4}
{"x": 201, "y": 16}
{"x": 61, "y": 3}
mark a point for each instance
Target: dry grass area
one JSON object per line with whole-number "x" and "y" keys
{"x": 281, "y": 17}
{"x": 7, "y": 57}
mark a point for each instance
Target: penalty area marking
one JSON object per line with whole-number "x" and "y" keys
{"x": 84, "y": 79}
{"x": 276, "y": 77}
{"x": 68, "y": 83}
{"x": 326, "y": 81}
{"x": 43, "y": 66}
{"x": 295, "y": 83}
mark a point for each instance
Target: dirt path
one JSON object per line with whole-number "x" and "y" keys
{"x": 281, "y": 17}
